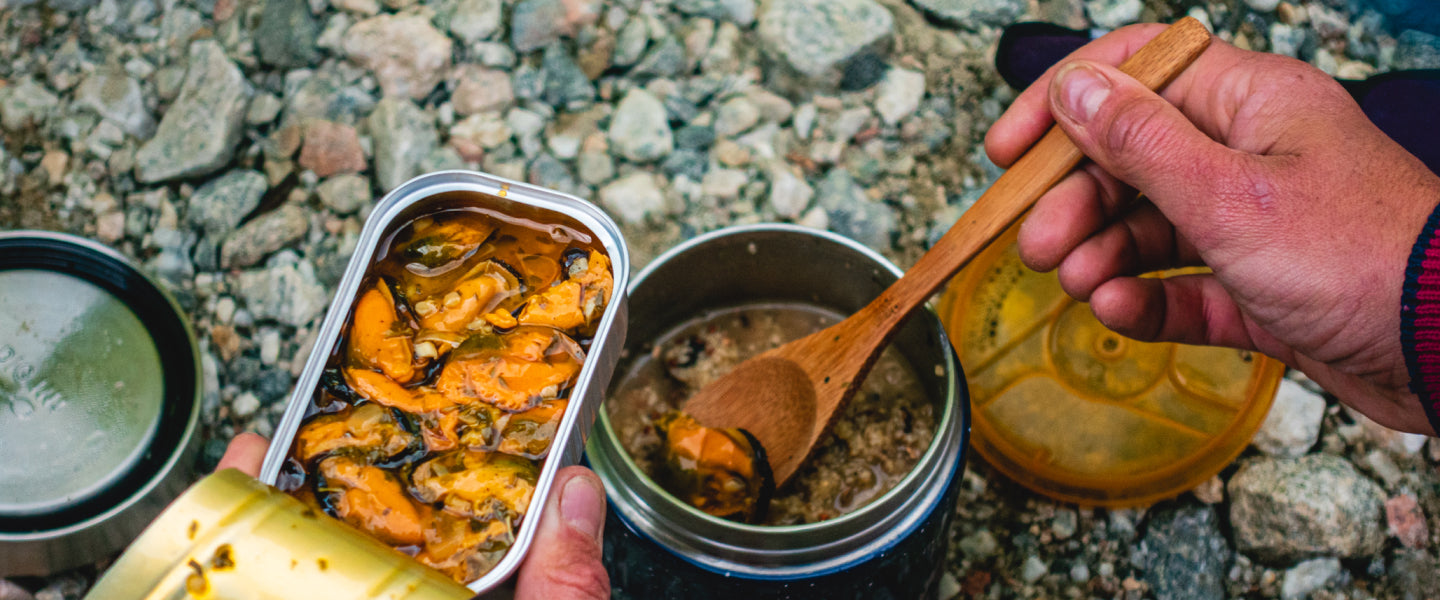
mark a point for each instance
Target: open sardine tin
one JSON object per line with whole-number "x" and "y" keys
{"x": 423, "y": 194}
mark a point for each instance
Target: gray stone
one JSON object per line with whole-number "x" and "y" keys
{"x": 735, "y": 116}
{"x": 741, "y": 12}
{"x": 479, "y": 89}
{"x": 535, "y": 24}
{"x": 969, "y": 13}
{"x": 1308, "y": 577}
{"x": 815, "y": 36}
{"x": 1183, "y": 554}
{"x": 724, "y": 184}
{"x": 565, "y": 84}
{"x": 263, "y": 109}
{"x": 633, "y": 198}
{"x": 665, "y": 59}
{"x": 862, "y": 71}
{"x": 403, "y": 135}
{"x": 493, "y": 54}
{"x": 899, "y": 95}
{"x": 1033, "y": 569}
{"x": 324, "y": 96}
{"x": 547, "y": 171}
{"x": 345, "y": 194}
{"x": 1416, "y": 50}
{"x": 630, "y": 42}
{"x": 286, "y": 291}
{"x": 639, "y": 130}
{"x": 595, "y": 168}
{"x": 1319, "y": 504}
{"x": 26, "y": 104}
{"x": 979, "y": 546}
{"x": 70, "y": 6}
{"x": 1263, "y": 6}
{"x": 116, "y": 96}
{"x": 364, "y": 7}
{"x": 219, "y": 205}
{"x": 286, "y": 34}
{"x": 487, "y": 130}
{"x": 690, "y": 163}
{"x": 694, "y": 137}
{"x": 198, "y": 134}
{"x": 1064, "y": 524}
{"x": 1413, "y": 575}
{"x": 1112, "y": 14}
{"x": 853, "y": 214}
{"x": 408, "y": 56}
{"x": 1286, "y": 40}
{"x": 11, "y": 591}
{"x": 1293, "y": 425}
{"x": 790, "y": 195}
{"x": 263, "y": 235}
{"x": 475, "y": 20}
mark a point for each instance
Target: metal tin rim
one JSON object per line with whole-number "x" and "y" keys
{"x": 609, "y": 337}
{"x": 166, "y": 473}
{"x": 887, "y": 519}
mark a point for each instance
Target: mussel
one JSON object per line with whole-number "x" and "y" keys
{"x": 369, "y": 430}
{"x": 722, "y": 472}
{"x": 371, "y": 499}
{"x": 378, "y": 339}
{"x": 575, "y": 302}
{"x": 513, "y": 371}
{"x": 485, "y": 486}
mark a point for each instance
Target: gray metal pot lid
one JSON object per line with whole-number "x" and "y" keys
{"x": 81, "y": 391}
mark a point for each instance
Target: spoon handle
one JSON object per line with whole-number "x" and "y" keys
{"x": 1042, "y": 166}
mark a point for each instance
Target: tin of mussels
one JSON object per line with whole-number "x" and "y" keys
{"x": 433, "y": 200}
{"x": 99, "y": 401}
{"x": 891, "y": 547}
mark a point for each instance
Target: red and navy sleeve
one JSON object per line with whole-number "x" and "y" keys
{"x": 1420, "y": 318}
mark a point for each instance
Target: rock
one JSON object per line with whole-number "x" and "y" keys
{"x": 969, "y": 13}
{"x": 630, "y": 42}
{"x": 1413, "y": 575}
{"x": 1287, "y": 509}
{"x": 535, "y": 24}
{"x": 1383, "y": 467}
{"x": 475, "y": 20}
{"x": 816, "y": 36}
{"x": 322, "y": 95}
{"x": 864, "y": 70}
{"x": 639, "y": 130}
{"x": 287, "y": 291}
{"x": 264, "y": 107}
{"x": 547, "y": 171}
{"x": 1112, "y": 14}
{"x": 403, "y": 135}
{"x": 493, "y": 54}
{"x": 479, "y": 89}
{"x": 245, "y": 404}
{"x": 1033, "y": 569}
{"x": 1293, "y": 425}
{"x": 735, "y": 116}
{"x": 286, "y": 34}
{"x": 1064, "y": 524}
{"x": 198, "y": 134}
{"x": 331, "y": 148}
{"x": 1407, "y": 521}
{"x": 687, "y": 162}
{"x": 344, "y": 194}
{"x": 741, "y": 12}
{"x": 219, "y": 205}
{"x": 899, "y": 95}
{"x": 1396, "y": 442}
{"x": 11, "y": 591}
{"x": 774, "y": 108}
{"x": 364, "y": 7}
{"x": 1416, "y": 50}
{"x": 979, "y": 546}
{"x": 789, "y": 194}
{"x": 724, "y": 184}
{"x": 595, "y": 167}
{"x": 1263, "y": 6}
{"x": 853, "y": 214}
{"x": 1184, "y": 555}
{"x": 694, "y": 137}
{"x": 25, "y": 104}
{"x": 406, "y": 53}
{"x": 486, "y": 130}
{"x": 1286, "y": 40}
{"x": 1308, "y": 577}
{"x": 565, "y": 84}
{"x": 116, "y": 96}
{"x": 665, "y": 59}
{"x": 264, "y": 235}
{"x": 632, "y": 198}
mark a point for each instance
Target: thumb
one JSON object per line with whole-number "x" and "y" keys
{"x": 1143, "y": 140}
{"x": 564, "y": 562}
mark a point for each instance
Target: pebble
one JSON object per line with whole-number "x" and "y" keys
{"x": 264, "y": 107}
{"x": 116, "y": 96}
{"x": 816, "y": 36}
{"x": 265, "y": 234}
{"x": 1113, "y": 14}
{"x": 735, "y": 116}
{"x": 630, "y": 42}
{"x": 407, "y": 54}
{"x": 1416, "y": 50}
{"x": 1284, "y": 509}
{"x": 639, "y": 130}
{"x": 403, "y": 135}
{"x": 1293, "y": 425}
{"x": 566, "y": 86}
{"x": 475, "y": 20}
{"x": 852, "y": 214}
{"x": 790, "y": 195}
{"x": 1308, "y": 577}
{"x": 345, "y": 194}
{"x": 862, "y": 71}
{"x": 971, "y": 13}
{"x": 899, "y": 95}
{"x": 478, "y": 89}
{"x": 219, "y": 205}
{"x": 535, "y": 24}
{"x": 364, "y": 7}
{"x": 665, "y": 58}
{"x": 1080, "y": 573}
{"x": 1407, "y": 521}
{"x": 287, "y": 291}
{"x": 595, "y": 168}
{"x": 1183, "y": 554}
{"x": 687, "y": 162}
{"x": 25, "y": 104}
{"x": 724, "y": 184}
{"x": 269, "y": 346}
{"x": 1263, "y": 6}
{"x": 486, "y": 130}
{"x": 286, "y": 34}
{"x": 1033, "y": 569}
{"x": 1064, "y": 524}
{"x": 12, "y": 591}
{"x": 740, "y": 12}
{"x": 979, "y": 545}
{"x": 245, "y": 404}
{"x": 633, "y": 198}
{"x": 1286, "y": 40}
{"x": 331, "y": 148}
{"x": 199, "y": 132}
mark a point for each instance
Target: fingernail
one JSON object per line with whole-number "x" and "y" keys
{"x": 583, "y": 506}
{"x": 1082, "y": 90}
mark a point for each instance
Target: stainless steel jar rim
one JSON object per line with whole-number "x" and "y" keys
{"x": 789, "y": 550}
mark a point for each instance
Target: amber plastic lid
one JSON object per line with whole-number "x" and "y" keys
{"x": 1079, "y": 413}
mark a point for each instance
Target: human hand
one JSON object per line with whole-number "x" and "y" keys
{"x": 563, "y": 564}
{"x": 1256, "y": 165}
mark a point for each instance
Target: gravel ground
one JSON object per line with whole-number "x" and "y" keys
{"x": 233, "y": 148}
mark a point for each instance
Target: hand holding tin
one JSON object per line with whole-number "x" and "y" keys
{"x": 787, "y": 397}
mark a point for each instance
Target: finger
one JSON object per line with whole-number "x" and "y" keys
{"x": 1083, "y": 203}
{"x": 245, "y": 453}
{"x": 1187, "y": 309}
{"x": 564, "y": 562}
{"x": 1141, "y": 242}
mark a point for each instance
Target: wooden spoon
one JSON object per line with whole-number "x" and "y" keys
{"x": 787, "y": 397}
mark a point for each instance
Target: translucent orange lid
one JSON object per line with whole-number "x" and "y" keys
{"x": 1079, "y": 413}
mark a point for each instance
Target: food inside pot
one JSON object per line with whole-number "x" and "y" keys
{"x": 444, "y": 395}
{"x": 875, "y": 441}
